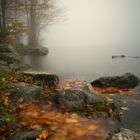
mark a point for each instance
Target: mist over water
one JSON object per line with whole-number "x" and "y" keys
{"x": 81, "y": 45}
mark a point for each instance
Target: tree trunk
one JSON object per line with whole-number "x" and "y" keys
{"x": 0, "y": 25}
{"x": 3, "y": 15}
{"x": 33, "y": 42}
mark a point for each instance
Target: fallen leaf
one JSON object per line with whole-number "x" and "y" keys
{"x": 43, "y": 135}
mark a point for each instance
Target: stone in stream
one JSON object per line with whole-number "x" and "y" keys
{"x": 31, "y": 135}
{"x": 127, "y": 80}
{"x": 123, "y": 134}
{"x": 45, "y": 78}
{"x": 76, "y": 98}
{"x": 25, "y": 93}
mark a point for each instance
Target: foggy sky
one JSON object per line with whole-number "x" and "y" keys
{"x": 101, "y": 23}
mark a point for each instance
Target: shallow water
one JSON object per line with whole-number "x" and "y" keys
{"x": 131, "y": 116}
{"x": 66, "y": 67}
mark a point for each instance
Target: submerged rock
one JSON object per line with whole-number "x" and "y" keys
{"x": 76, "y": 98}
{"x": 127, "y": 80}
{"x": 31, "y": 135}
{"x": 123, "y": 134}
{"x": 25, "y": 93}
{"x": 44, "y": 77}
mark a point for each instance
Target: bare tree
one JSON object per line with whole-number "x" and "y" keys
{"x": 34, "y": 14}
{"x": 39, "y": 13}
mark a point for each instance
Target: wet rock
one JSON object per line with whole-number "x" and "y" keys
{"x": 76, "y": 98}
{"x": 9, "y": 54}
{"x": 41, "y": 51}
{"x": 127, "y": 80}
{"x": 44, "y": 77}
{"x": 31, "y": 135}
{"x": 25, "y": 93}
{"x": 3, "y": 64}
{"x": 6, "y": 48}
{"x": 9, "y": 57}
{"x": 123, "y": 134}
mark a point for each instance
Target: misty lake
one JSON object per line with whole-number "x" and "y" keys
{"x": 87, "y": 64}
{"x": 81, "y": 45}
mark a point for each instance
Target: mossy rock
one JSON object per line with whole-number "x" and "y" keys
{"x": 44, "y": 78}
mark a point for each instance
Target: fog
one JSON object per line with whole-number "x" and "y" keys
{"x": 89, "y": 33}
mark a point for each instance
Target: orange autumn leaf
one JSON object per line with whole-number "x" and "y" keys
{"x": 43, "y": 135}
{"x": 110, "y": 89}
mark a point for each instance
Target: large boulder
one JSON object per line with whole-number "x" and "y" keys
{"x": 9, "y": 54}
{"x": 24, "y": 93}
{"x": 76, "y": 98}
{"x": 31, "y": 135}
{"x": 45, "y": 78}
{"x": 127, "y": 80}
{"x": 123, "y": 134}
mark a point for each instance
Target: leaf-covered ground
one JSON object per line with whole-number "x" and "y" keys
{"x": 56, "y": 124}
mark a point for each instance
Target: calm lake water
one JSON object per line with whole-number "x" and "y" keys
{"x": 87, "y": 64}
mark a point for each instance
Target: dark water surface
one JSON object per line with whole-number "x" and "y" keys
{"x": 131, "y": 113}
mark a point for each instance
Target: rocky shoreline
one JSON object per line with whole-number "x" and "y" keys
{"x": 44, "y": 108}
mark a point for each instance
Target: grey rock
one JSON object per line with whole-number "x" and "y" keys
{"x": 26, "y": 91}
{"x": 124, "y": 134}
{"x": 9, "y": 54}
{"x": 10, "y": 57}
{"x": 41, "y": 51}
{"x": 3, "y": 64}
{"x": 31, "y": 135}
{"x": 127, "y": 80}
{"x": 6, "y": 48}
{"x": 45, "y": 78}
{"x": 76, "y": 98}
